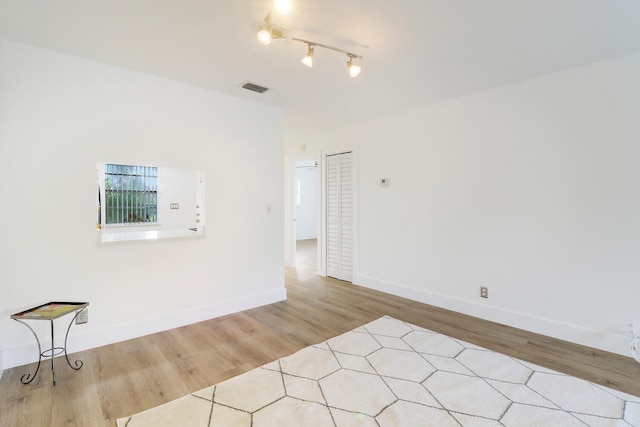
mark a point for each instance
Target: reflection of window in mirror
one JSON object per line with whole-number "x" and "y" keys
{"x": 140, "y": 202}
{"x": 131, "y": 194}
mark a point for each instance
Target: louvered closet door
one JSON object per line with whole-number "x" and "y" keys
{"x": 340, "y": 216}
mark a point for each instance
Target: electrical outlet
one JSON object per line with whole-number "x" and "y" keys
{"x": 82, "y": 317}
{"x": 484, "y": 292}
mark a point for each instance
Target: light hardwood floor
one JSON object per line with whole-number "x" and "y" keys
{"x": 124, "y": 378}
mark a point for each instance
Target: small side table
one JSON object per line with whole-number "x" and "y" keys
{"x": 50, "y": 311}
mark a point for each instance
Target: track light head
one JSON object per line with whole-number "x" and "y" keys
{"x": 354, "y": 69}
{"x": 308, "y": 60}
{"x": 269, "y": 31}
{"x": 264, "y": 35}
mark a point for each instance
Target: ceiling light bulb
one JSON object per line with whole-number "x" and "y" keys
{"x": 264, "y": 35}
{"x": 354, "y": 70}
{"x": 282, "y": 6}
{"x": 308, "y": 60}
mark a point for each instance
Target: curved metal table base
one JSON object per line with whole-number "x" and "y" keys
{"x": 51, "y": 352}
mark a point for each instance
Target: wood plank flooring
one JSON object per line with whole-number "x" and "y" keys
{"x": 125, "y": 378}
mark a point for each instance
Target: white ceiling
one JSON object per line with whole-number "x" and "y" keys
{"x": 415, "y": 51}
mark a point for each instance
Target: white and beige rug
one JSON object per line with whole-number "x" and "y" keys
{"x": 391, "y": 373}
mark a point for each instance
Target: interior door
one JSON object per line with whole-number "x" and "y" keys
{"x": 339, "y": 240}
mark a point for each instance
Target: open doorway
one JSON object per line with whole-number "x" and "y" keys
{"x": 306, "y": 213}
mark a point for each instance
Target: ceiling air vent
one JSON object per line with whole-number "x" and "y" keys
{"x": 254, "y": 87}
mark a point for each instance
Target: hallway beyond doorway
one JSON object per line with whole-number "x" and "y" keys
{"x": 307, "y": 255}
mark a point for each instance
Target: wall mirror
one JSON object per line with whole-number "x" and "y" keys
{"x": 141, "y": 202}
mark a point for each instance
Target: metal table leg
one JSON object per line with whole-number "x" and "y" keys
{"x": 78, "y": 363}
{"x": 27, "y": 378}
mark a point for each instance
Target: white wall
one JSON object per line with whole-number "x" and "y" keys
{"x": 530, "y": 189}
{"x": 61, "y": 115}
{"x": 2, "y": 155}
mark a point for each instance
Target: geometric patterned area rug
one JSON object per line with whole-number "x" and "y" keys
{"x": 389, "y": 373}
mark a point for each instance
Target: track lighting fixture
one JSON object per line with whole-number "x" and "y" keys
{"x": 269, "y": 31}
{"x": 308, "y": 60}
{"x": 354, "y": 69}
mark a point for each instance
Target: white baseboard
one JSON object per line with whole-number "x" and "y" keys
{"x": 91, "y": 338}
{"x": 609, "y": 341}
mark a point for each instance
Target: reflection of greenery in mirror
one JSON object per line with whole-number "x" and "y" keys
{"x": 131, "y": 194}
{"x": 137, "y": 202}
